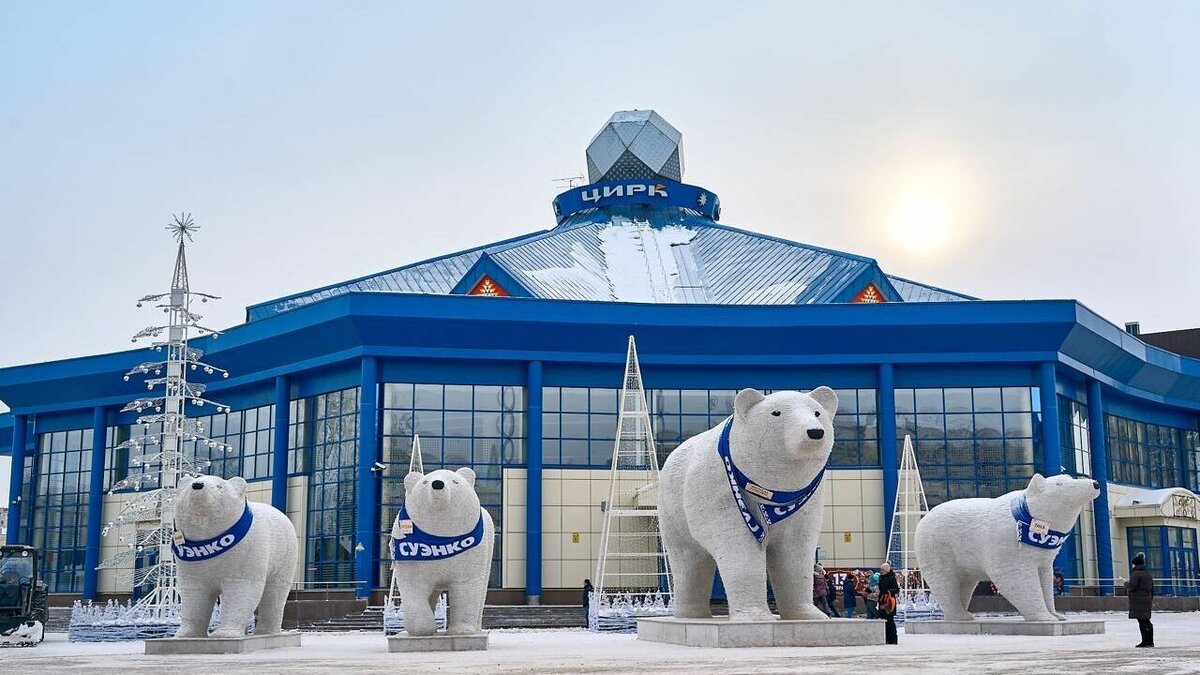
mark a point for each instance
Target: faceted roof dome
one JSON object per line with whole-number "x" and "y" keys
{"x": 636, "y": 145}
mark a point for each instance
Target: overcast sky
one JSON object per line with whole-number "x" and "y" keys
{"x": 1056, "y": 145}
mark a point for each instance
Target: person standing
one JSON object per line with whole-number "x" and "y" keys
{"x": 889, "y": 592}
{"x": 871, "y": 597}
{"x": 1140, "y": 589}
{"x": 587, "y": 602}
{"x": 820, "y": 589}
{"x": 850, "y": 593}
{"x": 831, "y": 587}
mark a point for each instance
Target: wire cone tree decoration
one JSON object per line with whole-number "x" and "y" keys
{"x": 159, "y": 457}
{"x": 914, "y": 602}
{"x": 632, "y": 571}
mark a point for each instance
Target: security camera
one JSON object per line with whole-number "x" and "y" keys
{"x": 378, "y": 467}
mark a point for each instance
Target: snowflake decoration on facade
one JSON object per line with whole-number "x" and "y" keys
{"x": 870, "y": 295}
{"x": 488, "y": 287}
{"x": 703, "y": 199}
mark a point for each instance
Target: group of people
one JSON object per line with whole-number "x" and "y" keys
{"x": 879, "y": 593}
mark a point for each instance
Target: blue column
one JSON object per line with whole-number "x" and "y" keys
{"x": 1099, "y": 447}
{"x": 887, "y": 442}
{"x": 279, "y": 447}
{"x": 16, "y": 479}
{"x": 1051, "y": 444}
{"x": 533, "y": 486}
{"x": 95, "y": 510}
{"x": 368, "y": 485}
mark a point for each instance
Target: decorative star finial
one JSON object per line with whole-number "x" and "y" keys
{"x": 183, "y": 226}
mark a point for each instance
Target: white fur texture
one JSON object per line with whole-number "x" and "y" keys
{"x": 703, "y": 529}
{"x": 964, "y": 541}
{"x": 256, "y": 573}
{"x": 450, "y": 511}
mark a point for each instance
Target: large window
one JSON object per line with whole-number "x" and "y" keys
{"x": 1145, "y": 454}
{"x": 477, "y": 426}
{"x": 970, "y": 442}
{"x": 60, "y": 506}
{"x": 1073, "y": 436}
{"x": 1170, "y": 556}
{"x": 579, "y": 424}
{"x": 332, "y": 488}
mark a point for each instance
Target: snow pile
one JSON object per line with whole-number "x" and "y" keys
{"x": 619, "y": 613}
{"x": 26, "y": 634}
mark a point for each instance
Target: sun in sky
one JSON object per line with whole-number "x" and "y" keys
{"x": 920, "y": 219}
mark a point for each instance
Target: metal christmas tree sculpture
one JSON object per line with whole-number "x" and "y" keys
{"x": 632, "y": 572}
{"x": 915, "y": 602}
{"x": 159, "y": 457}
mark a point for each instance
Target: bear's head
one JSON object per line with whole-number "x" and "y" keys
{"x": 1059, "y": 499}
{"x": 206, "y": 506}
{"x": 442, "y": 502}
{"x": 785, "y": 438}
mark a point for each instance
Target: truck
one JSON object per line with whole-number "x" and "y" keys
{"x": 22, "y": 597}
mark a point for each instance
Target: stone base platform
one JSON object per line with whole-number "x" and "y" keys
{"x": 438, "y": 643}
{"x": 719, "y": 632}
{"x": 223, "y": 645}
{"x": 1015, "y": 626}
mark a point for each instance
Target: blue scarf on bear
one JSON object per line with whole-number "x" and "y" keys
{"x": 189, "y": 550}
{"x": 1041, "y": 536}
{"x": 777, "y": 504}
{"x": 421, "y": 545}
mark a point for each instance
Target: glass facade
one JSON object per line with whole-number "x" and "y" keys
{"x": 970, "y": 442}
{"x": 61, "y": 468}
{"x": 579, "y": 423}
{"x": 1170, "y": 556}
{"x": 1074, "y": 438}
{"x": 332, "y": 487}
{"x": 478, "y": 426}
{"x": 1147, "y": 455}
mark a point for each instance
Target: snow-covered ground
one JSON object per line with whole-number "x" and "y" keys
{"x": 577, "y": 651}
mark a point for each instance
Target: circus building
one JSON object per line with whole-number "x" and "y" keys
{"x": 509, "y": 357}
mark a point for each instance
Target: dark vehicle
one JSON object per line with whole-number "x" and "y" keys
{"x": 22, "y": 597}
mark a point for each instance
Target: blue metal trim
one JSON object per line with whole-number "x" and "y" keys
{"x": 16, "y": 480}
{"x": 1099, "y": 448}
{"x": 888, "y": 457}
{"x": 95, "y": 510}
{"x": 279, "y": 447}
{"x": 1051, "y": 443}
{"x": 533, "y": 482}
{"x": 367, "y": 534}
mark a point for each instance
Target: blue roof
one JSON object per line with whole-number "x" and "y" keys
{"x": 638, "y": 253}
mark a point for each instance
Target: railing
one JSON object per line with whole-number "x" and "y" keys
{"x": 1167, "y": 587}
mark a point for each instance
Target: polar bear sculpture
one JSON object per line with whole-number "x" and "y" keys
{"x": 441, "y": 543}
{"x": 227, "y": 547}
{"x": 745, "y": 498}
{"x": 1011, "y": 540}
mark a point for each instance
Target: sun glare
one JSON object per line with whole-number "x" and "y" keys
{"x": 920, "y": 220}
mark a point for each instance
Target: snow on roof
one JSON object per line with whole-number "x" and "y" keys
{"x": 1152, "y": 497}
{"x": 642, "y": 254}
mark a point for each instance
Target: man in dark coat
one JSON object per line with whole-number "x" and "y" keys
{"x": 1140, "y": 589}
{"x": 587, "y": 600}
{"x": 889, "y": 593}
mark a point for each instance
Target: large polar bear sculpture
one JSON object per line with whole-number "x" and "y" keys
{"x": 745, "y": 498}
{"x": 227, "y": 547}
{"x": 441, "y": 543}
{"x": 1011, "y": 540}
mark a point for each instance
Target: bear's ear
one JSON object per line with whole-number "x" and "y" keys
{"x": 746, "y": 399}
{"x": 1037, "y": 482}
{"x": 468, "y": 474}
{"x": 411, "y": 480}
{"x": 827, "y": 398}
{"x": 239, "y": 485}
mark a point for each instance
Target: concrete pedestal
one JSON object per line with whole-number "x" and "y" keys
{"x": 719, "y": 632}
{"x": 438, "y": 643}
{"x": 223, "y": 645}
{"x": 1015, "y": 626}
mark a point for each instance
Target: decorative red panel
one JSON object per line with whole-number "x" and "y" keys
{"x": 870, "y": 294}
{"x": 487, "y": 286}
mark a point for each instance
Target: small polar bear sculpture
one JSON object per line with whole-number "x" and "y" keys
{"x": 441, "y": 543}
{"x": 745, "y": 498}
{"x": 227, "y": 547}
{"x": 1011, "y": 540}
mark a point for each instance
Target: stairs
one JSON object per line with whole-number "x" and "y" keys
{"x": 494, "y": 616}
